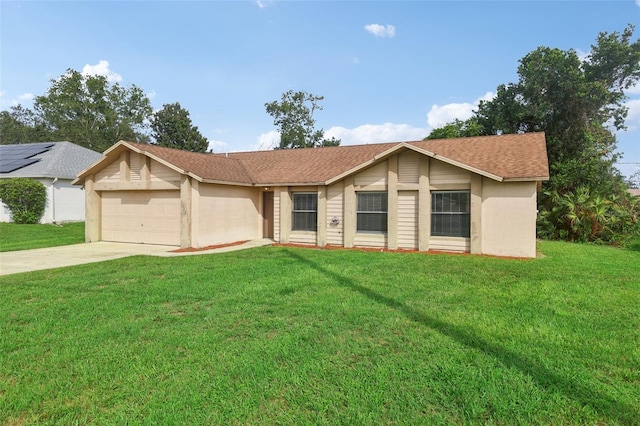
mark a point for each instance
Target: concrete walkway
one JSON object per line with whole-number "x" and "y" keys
{"x": 13, "y": 262}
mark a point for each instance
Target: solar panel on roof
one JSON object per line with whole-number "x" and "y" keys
{"x": 9, "y": 166}
{"x": 14, "y": 157}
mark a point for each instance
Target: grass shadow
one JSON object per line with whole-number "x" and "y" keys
{"x": 602, "y": 403}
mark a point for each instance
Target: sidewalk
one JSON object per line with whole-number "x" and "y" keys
{"x": 13, "y": 262}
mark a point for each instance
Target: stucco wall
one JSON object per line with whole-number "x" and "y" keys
{"x": 509, "y": 218}
{"x": 227, "y": 214}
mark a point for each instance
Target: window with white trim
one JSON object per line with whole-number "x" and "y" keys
{"x": 304, "y": 215}
{"x": 372, "y": 212}
{"x": 451, "y": 213}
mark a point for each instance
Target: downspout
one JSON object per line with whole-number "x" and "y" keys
{"x": 53, "y": 199}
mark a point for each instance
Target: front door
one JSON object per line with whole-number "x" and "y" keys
{"x": 267, "y": 214}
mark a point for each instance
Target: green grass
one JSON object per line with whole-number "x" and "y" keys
{"x": 24, "y": 237}
{"x": 280, "y": 335}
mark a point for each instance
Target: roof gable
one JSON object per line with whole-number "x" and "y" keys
{"x": 503, "y": 158}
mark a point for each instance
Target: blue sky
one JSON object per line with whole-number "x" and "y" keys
{"x": 389, "y": 71}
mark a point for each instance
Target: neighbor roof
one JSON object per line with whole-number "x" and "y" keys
{"x": 62, "y": 160}
{"x": 503, "y": 158}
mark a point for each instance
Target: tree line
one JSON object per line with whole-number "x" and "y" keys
{"x": 579, "y": 104}
{"x": 90, "y": 111}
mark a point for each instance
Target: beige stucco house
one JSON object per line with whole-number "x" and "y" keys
{"x": 474, "y": 195}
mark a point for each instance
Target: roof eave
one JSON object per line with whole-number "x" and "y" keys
{"x": 526, "y": 179}
{"x": 224, "y": 182}
{"x": 159, "y": 160}
{"x": 274, "y": 184}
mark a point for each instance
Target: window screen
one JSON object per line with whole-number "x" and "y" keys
{"x": 372, "y": 212}
{"x": 304, "y": 216}
{"x": 450, "y": 213}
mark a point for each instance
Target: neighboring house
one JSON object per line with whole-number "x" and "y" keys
{"x": 474, "y": 195}
{"x": 56, "y": 165}
{"x": 635, "y": 192}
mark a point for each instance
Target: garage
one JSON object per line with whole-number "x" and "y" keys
{"x": 146, "y": 217}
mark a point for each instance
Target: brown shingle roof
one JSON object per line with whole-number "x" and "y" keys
{"x": 505, "y": 157}
{"x": 204, "y": 166}
{"x": 516, "y": 156}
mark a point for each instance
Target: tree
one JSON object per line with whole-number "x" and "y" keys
{"x": 578, "y": 104}
{"x": 172, "y": 127}
{"x": 293, "y": 116}
{"x": 21, "y": 125}
{"x": 457, "y": 129}
{"x": 92, "y": 112}
{"x": 634, "y": 179}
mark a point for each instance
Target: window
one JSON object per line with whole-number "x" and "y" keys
{"x": 304, "y": 216}
{"x": 450, "y": 213}
{"x": 372, "y": 212}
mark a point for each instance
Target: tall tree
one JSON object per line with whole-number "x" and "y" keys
{"x": 457, "y": 129}
{"x": 293, "y": 116}
{"x": 578, "y": 104}
{"x": 21, "y": 125}
{"x": 172, "y": 127}
{"x": 90, "y": 111}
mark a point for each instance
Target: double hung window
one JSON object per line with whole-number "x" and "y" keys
{"x": 372, "y": 212}
{"x": 450, "y": 213}
{"x": 304, "y": 215}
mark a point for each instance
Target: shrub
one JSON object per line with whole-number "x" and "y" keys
{"x": 26, "y": 198}
{"x": 587, "y": 216}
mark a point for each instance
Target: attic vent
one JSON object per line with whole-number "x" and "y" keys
{"x": 136, "y": 166}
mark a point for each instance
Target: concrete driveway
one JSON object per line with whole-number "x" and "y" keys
{"x": 13, "y": 262}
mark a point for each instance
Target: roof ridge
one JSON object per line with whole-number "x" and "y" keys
{"x": 56, "y": 154}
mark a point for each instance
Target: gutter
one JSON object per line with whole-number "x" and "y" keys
{"x": 53, "y": 199}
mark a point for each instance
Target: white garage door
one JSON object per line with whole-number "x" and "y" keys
{"x": 149, "y": 217}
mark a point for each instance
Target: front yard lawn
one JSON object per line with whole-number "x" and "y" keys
{"x": 24, "y": 237}
{"x": 280, "y": 335}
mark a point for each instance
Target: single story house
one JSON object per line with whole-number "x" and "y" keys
{"x": 55, "y": 165}
{"x": 474, "y": 195}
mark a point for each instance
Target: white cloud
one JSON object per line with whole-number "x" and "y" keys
{"x": 438, "y": 115}
{"x": 216, "y": 146}
{"x": 633, "y": 90}
{"x": 376, "y": 133}
{"x": 381, "y": 30}
{"x": 267, "y": 141}
{"x": 26, "y": 97}
{"x": 638, "y": 3}
{"x": 361, "y": 135}
{"x": 633, "y": 117}
{"x": 262, "y": 3}
{"x": 102, "y": 68}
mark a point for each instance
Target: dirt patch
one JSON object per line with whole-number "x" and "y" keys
{"x": 192, "y": 249}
